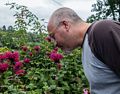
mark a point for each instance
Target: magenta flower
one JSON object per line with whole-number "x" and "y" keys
{"x": 14, "y": 56}
{"x": 3, "y": 67}
{"x": 18, "y": 65}
{"x": 30, "y": 53}
{"x": 24, "y": 48}
{"x": 55, "y": 57}
{"x": 2, "y": 57}
{"x": 37, "y": 48}
{"x": 20, "y": 72}
{"x": 27, "y": 60}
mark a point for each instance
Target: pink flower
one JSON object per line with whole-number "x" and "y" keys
{"x": 2, "y": 57}
{"x": 55, "y": 57}
{"x": 16, "y": 59}
{"x": 30, "y": 53}
{"x": 20, "y": 72}
{"x": 27, "y": 60}
{"x": 18, "y": 65}
{"x": 3, "y": 67}
{"x": 86, "y": 91}
{"x": 14, "y": 56}
{"x": 24, "y": 48}
{"x": 37, "y": 48}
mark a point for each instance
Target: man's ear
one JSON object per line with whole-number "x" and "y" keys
{"x": 66, "y": 25}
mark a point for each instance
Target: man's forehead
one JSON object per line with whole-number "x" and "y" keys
{"x": 50, "y": 27}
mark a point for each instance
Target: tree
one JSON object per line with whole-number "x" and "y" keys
{"x": 105, "y": 9}
{"x": 10, "y": 28}
{"x": 25, "y": 19}
{"x": 4, "y": 28}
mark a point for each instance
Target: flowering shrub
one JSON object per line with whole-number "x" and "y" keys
{"x": 30, "y": 65}
{"x": 38, "y": 69}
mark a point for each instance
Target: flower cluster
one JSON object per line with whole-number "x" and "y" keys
{"x": 36, "y": 49}
{"x": 12, "y": 56}
{"x": 56, "y": 57}
{"x": 12, "y": 59}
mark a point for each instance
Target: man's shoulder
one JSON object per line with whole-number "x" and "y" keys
{"x": 102, "y": 24}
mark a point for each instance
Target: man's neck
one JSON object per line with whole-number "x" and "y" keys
{"x": 83, "y": 27}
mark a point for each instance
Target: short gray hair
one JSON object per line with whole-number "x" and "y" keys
{"x": 62, "y": 13}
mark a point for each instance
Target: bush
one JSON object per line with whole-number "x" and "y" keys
{"x": 40, "y": 74}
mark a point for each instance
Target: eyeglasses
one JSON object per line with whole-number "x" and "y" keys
{"x": 52, "y": 38}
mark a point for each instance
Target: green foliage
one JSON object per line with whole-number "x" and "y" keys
{"x": 42, "y": 75}
{"x": 3, "y": 49}
{"x": 13, "y": 39}
{"x": 25, "y": 19}
{"x": 104, "y": 9}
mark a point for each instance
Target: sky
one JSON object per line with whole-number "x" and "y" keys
{"x": 44, "y": 8}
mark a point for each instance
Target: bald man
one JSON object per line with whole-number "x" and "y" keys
{"x": 100, "y": 43}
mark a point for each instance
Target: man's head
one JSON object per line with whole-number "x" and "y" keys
{"x": 64, "y": 28}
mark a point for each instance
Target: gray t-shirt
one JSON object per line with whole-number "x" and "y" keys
{"x": 102, "y": 79}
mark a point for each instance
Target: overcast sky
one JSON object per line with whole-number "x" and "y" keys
{"x": 44, "y": 8}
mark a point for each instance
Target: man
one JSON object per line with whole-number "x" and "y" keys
{"x": 100, "y": 42}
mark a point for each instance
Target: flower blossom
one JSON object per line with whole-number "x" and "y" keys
{"x": 24, "y": 48}
{"x": 37, "y": 48}
{"x": 18, "y": 65}
{"x": 27, "y": 60}
{"x": 30, "y": 53}
{"x": 20, "y": 72}
{"x": 56, "y": 57}
{"x": 2, "y": 57}
{"x": 3, "y": 67}
{"x": 14, "y": 56}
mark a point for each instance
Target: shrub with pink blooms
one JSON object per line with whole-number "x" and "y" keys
{"x": 29, "y": 63}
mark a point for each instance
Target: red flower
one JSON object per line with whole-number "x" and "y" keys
{"x": 2, "y": 57}
{"x": 20, "y": 72}
{"x": 18, "y": 65}
{"x": 27, "y": 60}
{"x": 37, "y": 48}
{"x": 55, "y": 57}
{"x": 3, "y": 67}
{"x": 12, "y": 56}
{"x": 30, "y": 53}
{"x": 24, "y": 48}
{"x": 16, "y": 59}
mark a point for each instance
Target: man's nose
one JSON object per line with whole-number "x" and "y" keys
{"x": 53, "y": 41}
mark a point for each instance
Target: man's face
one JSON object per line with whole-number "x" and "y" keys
{"x": 62, "y": 37}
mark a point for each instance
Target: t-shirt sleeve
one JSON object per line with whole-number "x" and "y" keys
{"x": 104, "y": 41}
